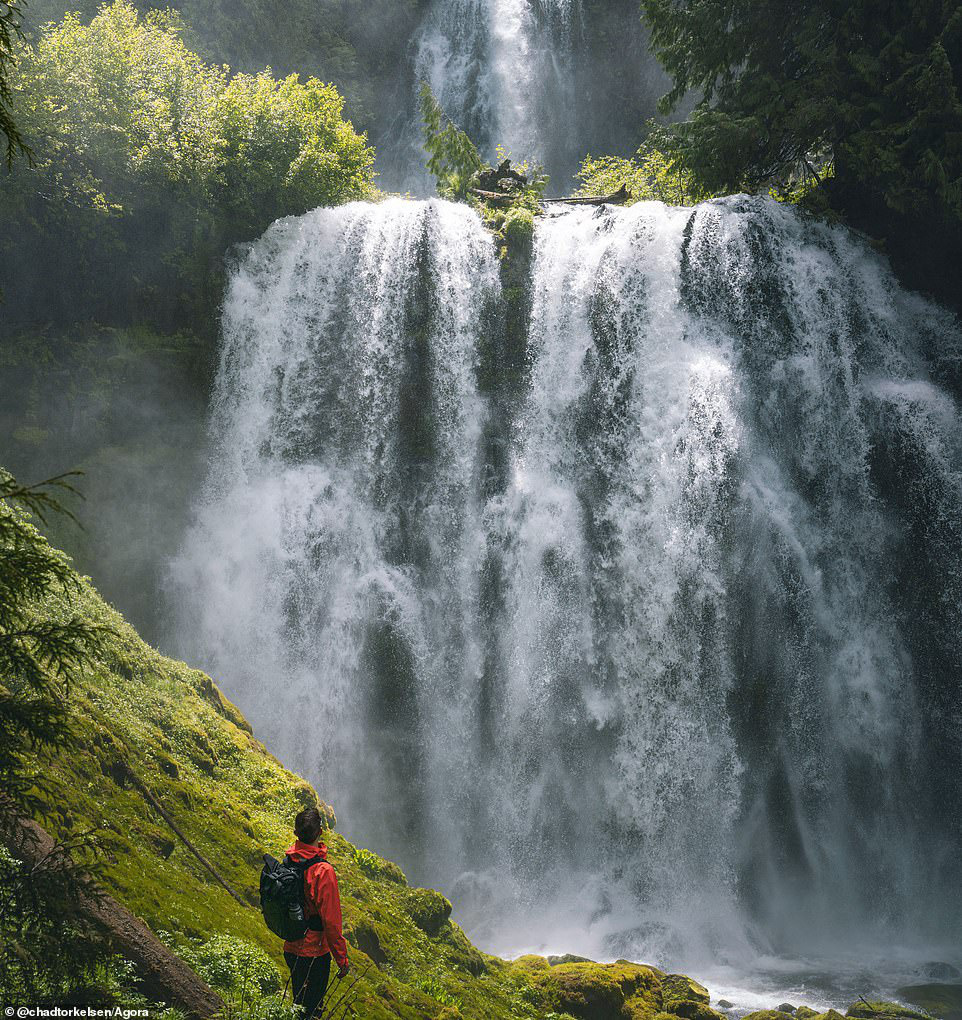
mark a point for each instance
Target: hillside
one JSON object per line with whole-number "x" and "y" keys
{"x": 149, "y": 723}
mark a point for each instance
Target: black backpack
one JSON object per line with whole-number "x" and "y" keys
{"x": 282, "y": 898}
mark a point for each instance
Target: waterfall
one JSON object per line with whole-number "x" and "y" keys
{"x": 649, "y": 647}
{"x": 505, "y": 72}
{"x": 501, "y": 69}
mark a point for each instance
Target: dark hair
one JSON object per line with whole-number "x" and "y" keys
{"x": 308, "y": 825}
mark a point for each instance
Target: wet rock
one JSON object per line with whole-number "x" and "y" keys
{"x": 882, "y": 1011}
{"x": 725, "y": 1004}
{"x": 556, "y": 961}
{"x": 941, "y": 1000}
{"x": 678, "y": 990}
{"x": 805, "y": 1013}
{"x": 938, "y": 971}
{"x": 785, "y": 1007}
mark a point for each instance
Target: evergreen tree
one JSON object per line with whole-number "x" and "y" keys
{"x": 863, "y": 101}
{"x": 49, "y": 948}
{"x": 10, "y": 11}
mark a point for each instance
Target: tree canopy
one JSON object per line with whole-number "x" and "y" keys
{"x": 863, "y": 98}
{"x": 146, "y": 154}
{"x": 649, "y": 175}
{"x": 873, "y": 88}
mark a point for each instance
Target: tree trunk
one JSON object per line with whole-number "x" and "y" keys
{"x": 164, "y": 976}
{"x": 621, "y": 196}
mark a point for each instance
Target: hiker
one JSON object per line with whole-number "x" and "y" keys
{"x": 309, "y": 958}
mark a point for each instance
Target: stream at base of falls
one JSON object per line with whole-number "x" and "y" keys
{"x": 633, "y": 627}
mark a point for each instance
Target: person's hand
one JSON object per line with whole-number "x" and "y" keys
{"x": 342, "y": 969}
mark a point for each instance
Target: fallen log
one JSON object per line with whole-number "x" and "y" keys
{"x": 495, "y": 197}
{"x": 621, "y": 196}
{"x": 175, "y": 828}
{"x": 164, "y": 977}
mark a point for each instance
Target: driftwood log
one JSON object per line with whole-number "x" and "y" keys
{"x": 621, "y": 196}
{"x": 505, "y": 198}
{"x": 164, "y": 977}
{"x": 495, "y": 197}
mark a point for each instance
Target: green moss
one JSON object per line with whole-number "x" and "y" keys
{"x": 141, "y": 714}
{"x": 428, "y": 909}
{"x": 146, "y": 721}
{"x": 805, "y": 1013}
{"x": 597, "y": 991}
{"x": 679, "y": 991}
{"x": 378, "y": 868}
{"x": 768, "y": 1014}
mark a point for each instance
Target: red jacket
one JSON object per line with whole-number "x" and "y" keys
{"x": 322, "y": 898}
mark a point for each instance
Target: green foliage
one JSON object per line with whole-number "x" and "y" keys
{"x": 150, "y": 162}
{"x": 10, "y": 32}
{"x": 788, "y": 90}
{"x": 40, "y": 655}
{"x": 377, "y": 867}
{"x": 434, "y": 986}
{"x": 242, "y": 973}
{"x": 453, "y": 159}
{"x": 650, "y": 175}
{"x": 48, "y": 950}
{"x": 457, "y": 167}
{"x": 518, "y": 228}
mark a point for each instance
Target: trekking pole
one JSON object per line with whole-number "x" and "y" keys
{"x": 329, "y": 1010}
{"x": 346, "y": 1003}
{"x": 347, "y": 1000}
{"x": 329, "y": 1007}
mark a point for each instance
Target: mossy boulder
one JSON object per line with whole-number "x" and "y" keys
{"x": 530, "y": 961}
{"x": 463, "y": 956}
{"x": 940, "y": 1000}
{"x": 883, "y": 1011}
{"x": 680, "y": 995}
{"x": 697, "y": 1011}
{"x": 367, "y": 936}
{"x": 428, "y": 909}
{"x": 805, "y": 1013}
{"x": 600, "y": 991}
{"x": 768, "y": 1014}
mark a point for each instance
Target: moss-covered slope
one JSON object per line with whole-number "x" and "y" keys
{"x": 151, "y": 724}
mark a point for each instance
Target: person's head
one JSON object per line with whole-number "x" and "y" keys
{"x": 308, "y": 825}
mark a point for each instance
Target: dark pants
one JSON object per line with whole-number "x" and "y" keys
{"x": 309, "y": 980}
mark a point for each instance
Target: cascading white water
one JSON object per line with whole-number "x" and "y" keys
{"x": 342, "y": 507}
{"x": 651, "y": 649}
{"x": 503, "y": 70}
